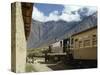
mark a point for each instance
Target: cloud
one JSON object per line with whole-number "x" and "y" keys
{"x": 37, "y": 15}
{"x": 91, "y": 10}
{"x": 69, "y": 9}
{"x": 53, "y": 16}
{"x": 86, "y": 11}
{"x": 69, "y": 13}
{"x": 70, "y": 17}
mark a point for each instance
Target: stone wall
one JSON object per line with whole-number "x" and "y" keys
{"x": 18, "y": 39}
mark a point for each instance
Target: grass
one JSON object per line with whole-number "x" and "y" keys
{"x": 36, "y": 51}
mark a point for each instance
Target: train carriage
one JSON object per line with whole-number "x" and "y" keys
{"x": 79, "y": 49}
{"x": 83, "y": 47}
{"x": 84, "y": 44}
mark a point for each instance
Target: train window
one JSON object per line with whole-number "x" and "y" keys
{"x": 72, "y": 41}
{"x": 86, "y": 43}
{"x": 60, "y": 43}
{"x": 76, "y": 43}
{"x": 68, "y": 42}
{"x": 94, "y": 40}
{"x": 80, "y": 44}
{"x": 76, "y": 39}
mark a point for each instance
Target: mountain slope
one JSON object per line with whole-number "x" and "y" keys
{"x": 46, "y": 33}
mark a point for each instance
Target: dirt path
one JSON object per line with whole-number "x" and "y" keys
{"x": 40, "y": 67}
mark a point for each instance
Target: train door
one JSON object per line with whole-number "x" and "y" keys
{"x": 66, "y": 45}
{"x": 67, "y": 49}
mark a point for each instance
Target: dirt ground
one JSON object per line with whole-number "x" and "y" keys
{"x": 39, "y": 65}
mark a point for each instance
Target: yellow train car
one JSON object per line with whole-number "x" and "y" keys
{"x": 83, "y": 45}
{"x": 81, "y": 48}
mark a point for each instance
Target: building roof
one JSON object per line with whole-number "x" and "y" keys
{"x": 27, "y": 17}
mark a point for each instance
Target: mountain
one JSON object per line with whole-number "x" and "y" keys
{"x": 35, "y": 34}
{"x": 45, "y": 33}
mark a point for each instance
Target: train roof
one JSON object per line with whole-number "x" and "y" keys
{"x": 84, "y": 30}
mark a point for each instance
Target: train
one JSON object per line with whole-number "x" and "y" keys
{"x": 81, "y": 47}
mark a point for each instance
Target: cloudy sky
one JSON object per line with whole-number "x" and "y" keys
{"x": 53, "y": 12}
